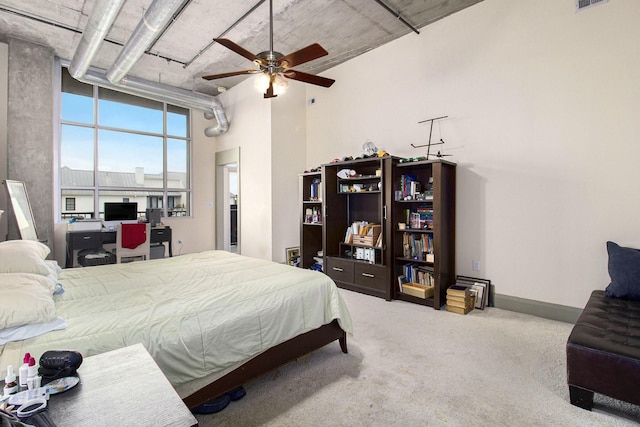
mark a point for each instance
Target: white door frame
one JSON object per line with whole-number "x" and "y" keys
{"x": 224, "y": 161}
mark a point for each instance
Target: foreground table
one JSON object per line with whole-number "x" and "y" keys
{"x": 123, "y": 387}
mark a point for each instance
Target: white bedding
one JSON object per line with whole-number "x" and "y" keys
{"x": 197, "y": 314}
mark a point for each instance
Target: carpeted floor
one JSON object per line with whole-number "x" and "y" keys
{"x": 410, "y": 365}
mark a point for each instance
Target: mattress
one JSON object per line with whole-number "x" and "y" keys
{"x": 197, "y": 314}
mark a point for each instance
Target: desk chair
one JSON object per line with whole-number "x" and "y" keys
{"x": 132, "y": 234}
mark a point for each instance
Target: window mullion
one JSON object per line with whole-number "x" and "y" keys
{"x": 96, "y": 204}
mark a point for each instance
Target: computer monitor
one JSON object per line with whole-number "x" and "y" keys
{"x": 120, "y": 211}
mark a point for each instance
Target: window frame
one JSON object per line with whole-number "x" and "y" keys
{"x": 96, "y": 188}
{"x": 68, "y": 199}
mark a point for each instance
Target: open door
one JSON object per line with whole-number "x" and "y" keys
{"x": 228, "y": 200}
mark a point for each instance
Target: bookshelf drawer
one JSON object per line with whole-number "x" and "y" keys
{"x": 371, "y": 276}
{"x": 340, "y": 270}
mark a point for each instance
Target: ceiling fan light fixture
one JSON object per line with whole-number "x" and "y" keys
{"x": 280, "y": 85}
{"x": 262, "y": 82}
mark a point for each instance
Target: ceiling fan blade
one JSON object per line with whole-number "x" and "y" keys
{"x": 308, "y": 78}
{"x": 229, "y": 74}
{"x": 238, "y": 49}
{"x": 303, "y": 55}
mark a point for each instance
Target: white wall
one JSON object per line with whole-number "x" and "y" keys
{"x": 542, "y": 105}
{"x": 271, "y": 134}
{"x": 250, "y": 129}
{"x": 288, "y": 160}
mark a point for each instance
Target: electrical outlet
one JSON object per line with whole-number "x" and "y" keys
{"x": 475, "y": 265}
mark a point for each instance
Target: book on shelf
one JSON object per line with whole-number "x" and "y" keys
{"x": 402, "y": 280}
{"x": 405, "y": 184}
{"x": 418, "y": 246}
{"x": 419, "y": 274}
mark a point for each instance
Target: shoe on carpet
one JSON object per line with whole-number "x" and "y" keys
{"x": 237, "y": 393}
{"x": 213, "y": 406}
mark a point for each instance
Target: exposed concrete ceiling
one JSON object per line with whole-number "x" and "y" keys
{"x": 345, "y": 28}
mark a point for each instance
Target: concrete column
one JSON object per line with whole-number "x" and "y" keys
{"x": 30, "y": 130}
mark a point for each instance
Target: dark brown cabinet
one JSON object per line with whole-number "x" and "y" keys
{"x": 412, "y": 205}
{"x": 358, "y": 192}
{"x": 423, "y": 216}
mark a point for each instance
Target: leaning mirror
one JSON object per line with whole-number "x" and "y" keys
{"x": 19, "y": 201}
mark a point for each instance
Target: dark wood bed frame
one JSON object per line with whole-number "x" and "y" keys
{"x": 270, "y": 360}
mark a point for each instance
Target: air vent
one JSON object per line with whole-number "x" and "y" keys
{"x": 586, "y": 4}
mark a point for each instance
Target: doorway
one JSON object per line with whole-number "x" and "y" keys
{"x": 228, "y": 200}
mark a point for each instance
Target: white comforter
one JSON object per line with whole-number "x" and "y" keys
{"x": 197, "y": 314}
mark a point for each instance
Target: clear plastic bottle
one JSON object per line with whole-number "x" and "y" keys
{"x": 24, "y": 370}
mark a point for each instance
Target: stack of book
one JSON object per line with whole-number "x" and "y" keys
{"x": 460, "y": 299}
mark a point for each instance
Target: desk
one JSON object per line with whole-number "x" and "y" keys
{"x": 123, "y": 387}
{"x": 90, "y": 239}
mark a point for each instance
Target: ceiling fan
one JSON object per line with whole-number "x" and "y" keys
{"x": 274, "y": 65}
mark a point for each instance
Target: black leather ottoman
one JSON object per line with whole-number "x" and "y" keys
{"x": 603, "y": 351}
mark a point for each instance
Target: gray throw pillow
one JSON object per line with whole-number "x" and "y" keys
{"x": 624, "y": 271}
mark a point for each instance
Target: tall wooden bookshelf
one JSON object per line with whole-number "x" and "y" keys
{"x": 423, "y": 216}
{"x": 311, "y": 217}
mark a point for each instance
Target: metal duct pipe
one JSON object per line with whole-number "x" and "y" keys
{"x": 221, "y": 127}
{"x": 154, "y": 20}
{"x": 211, "y": 106}
{"x": 102, "y": 15}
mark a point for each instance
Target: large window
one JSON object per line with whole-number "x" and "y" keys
{"x": 116, "y": 147}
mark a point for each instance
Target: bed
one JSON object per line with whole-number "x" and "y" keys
{"x": 212, "y": 320}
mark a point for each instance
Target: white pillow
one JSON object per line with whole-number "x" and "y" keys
{"x": 23, "y": 256}
{"x": 25, "y": 299}
{"x": 10, "y": 280}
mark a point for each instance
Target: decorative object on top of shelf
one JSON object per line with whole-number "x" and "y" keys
{"x": 346, "y": 173}
{"x": 429, "y": 144}
{"x": 375, "y": 155}
{"x": 369, "y": 148}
